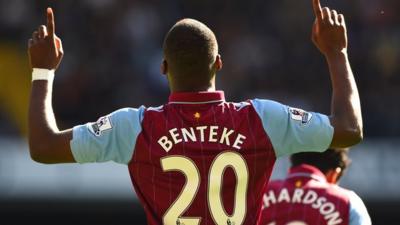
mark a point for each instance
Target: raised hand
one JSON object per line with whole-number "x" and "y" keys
{"x": 329, "y": 34}
{"x": 45, "y": 48}
{"x": 329, "y": 30}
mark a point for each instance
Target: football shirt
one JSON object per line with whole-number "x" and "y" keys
{"x": 199, "y": 159}
{"x": 306, "y": 198}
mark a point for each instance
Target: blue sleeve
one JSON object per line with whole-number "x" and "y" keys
{"x": 293, "y": 130}
{"x": 358, "y": 212}
{"x": 111, "y": 138}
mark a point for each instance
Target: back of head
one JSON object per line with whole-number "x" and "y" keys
{"x": 324, "y": 161}
{"x": 190, "y": 49}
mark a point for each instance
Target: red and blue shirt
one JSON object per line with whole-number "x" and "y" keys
{"x": 306, "y": 198}
{"x": 199, "y": 159}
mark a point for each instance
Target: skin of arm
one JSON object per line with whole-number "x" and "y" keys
{"x": 47, "y": 144}
{"x": 329, "y": 35}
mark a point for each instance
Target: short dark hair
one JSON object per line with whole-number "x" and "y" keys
{"x": 190, "y": 48}
{"x": 324, "y": 161}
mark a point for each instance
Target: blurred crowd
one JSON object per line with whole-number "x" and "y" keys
{"x": 113, "y": 50}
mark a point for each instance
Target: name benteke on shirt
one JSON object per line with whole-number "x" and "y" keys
{"x": 198, "y": 134}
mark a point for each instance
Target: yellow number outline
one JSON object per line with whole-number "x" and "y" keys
{"x": 176, "y": 209}
{"x": 216, "y": 204}
{"x": 215, "y": 177}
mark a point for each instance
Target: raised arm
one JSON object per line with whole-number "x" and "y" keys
{"x": 330, "y": 37}
{"x": 47, "y": 143}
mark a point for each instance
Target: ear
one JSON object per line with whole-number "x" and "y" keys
{"x": 164, "y": 67}
{"x": 218, "y": 62}
{"x": 333, "y": 176}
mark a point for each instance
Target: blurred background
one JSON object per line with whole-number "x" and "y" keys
{"x": 112, "y": 57}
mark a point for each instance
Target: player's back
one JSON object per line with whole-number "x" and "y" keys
{"x": 305, "y": 198}
{"x": 201, "y": 161}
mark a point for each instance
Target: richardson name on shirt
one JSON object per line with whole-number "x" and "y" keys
{"x": 309, "y": 197}
{"x": 211, "y": 134}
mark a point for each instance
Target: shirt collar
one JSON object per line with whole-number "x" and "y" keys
{"x": 201, "y": 97}
{"x": 308, "y": 171}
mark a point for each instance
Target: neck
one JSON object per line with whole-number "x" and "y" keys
{"x": 192, "y": 89}
{"x": 194, "y": 86}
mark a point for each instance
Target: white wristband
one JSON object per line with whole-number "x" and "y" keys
{"x": 42, "y": 74}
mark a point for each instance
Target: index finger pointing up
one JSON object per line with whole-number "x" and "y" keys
{"x": 317, "y": 9}
{"x": 50, "y": 22}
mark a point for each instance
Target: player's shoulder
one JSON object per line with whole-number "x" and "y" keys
{"x": 265, "y": 103}
{"x": 340, "y": 189}
{"x": 129, "y": 113}
{"x": 149, "y": 113}
{"x": 122, "y": 115}
{"x": 155, "y": 109}
{"x": 340, "y": 192}
{"x": 270, "y": 110}
{"x": 261, "y": 106}
{"x": 358, "y": 211}
{"x": 237, "y": 106}
{"x": 352, "y": 195}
